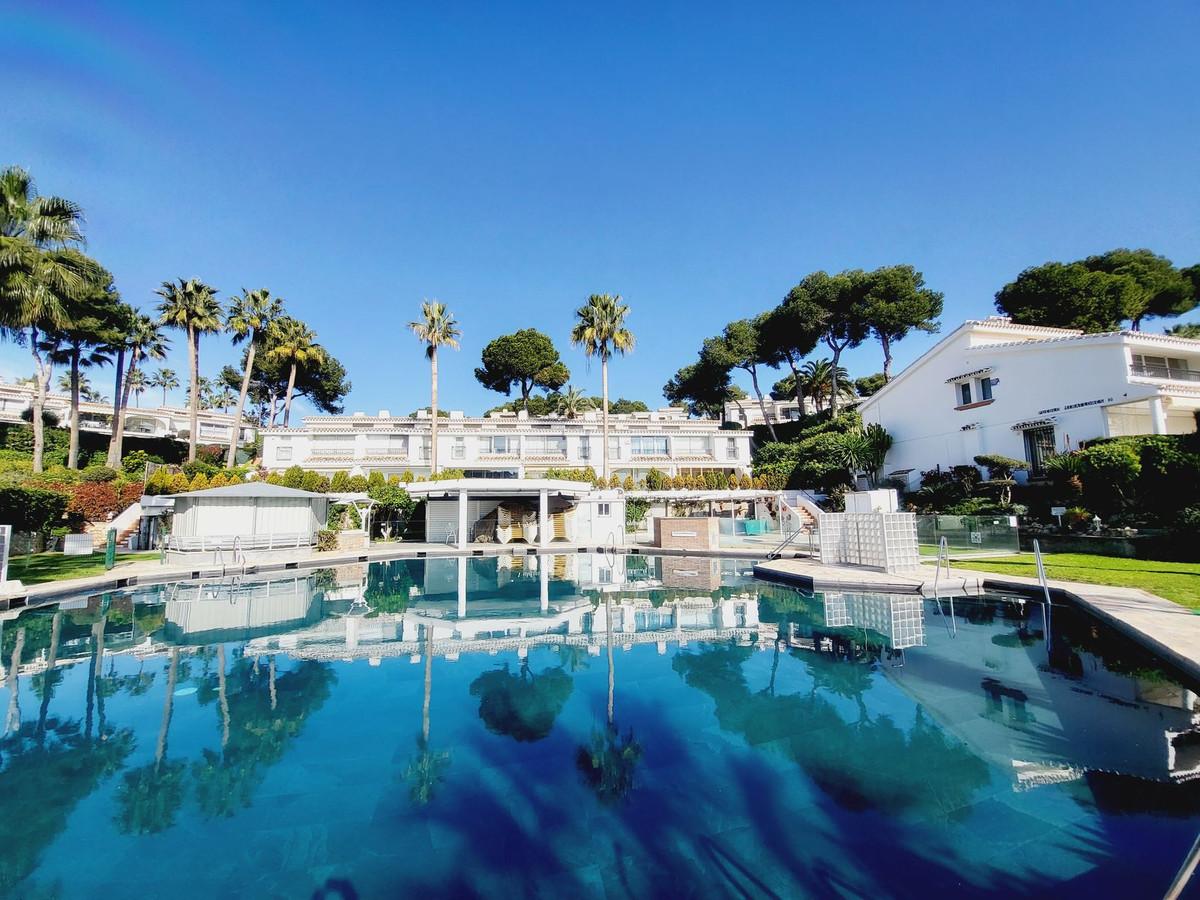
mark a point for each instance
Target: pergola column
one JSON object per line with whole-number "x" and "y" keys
{"x": 1158, "y": 415}
{"x": 544, "y": 518}
{"x": 544, "y": 584}
{"x": 462, "y": 587}
{"x": 462, "y": 520}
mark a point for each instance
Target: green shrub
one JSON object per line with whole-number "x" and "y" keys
{"x": 99, "y": 474}
{"x": 135, "y": 462}
{"x": 198, "y": 467}
{"x": 293, "y": 477}
{"x": 635, "y": 513}
{"x": 1110, "y": 473}
{"x": 32, "y": 509}
{"x": 1000, "y": 467}
{"x": 656, "y": 480}
{"x": 375, "y": 479}
{"x": 326, "y": 540}
{"x": 587, "y": 474}
{"x": 358, "y": 484}
{"x": 314, "y": 482}
{"x": 340, "y": 482}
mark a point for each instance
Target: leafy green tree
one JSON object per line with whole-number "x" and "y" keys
{"x": 525, "y": 359}
{"x": 1157, "y": 289}
{"x": 898, "y": 302}
{"x": 293, "y": 342}
{"x": 869, "y": 384}
{"x": 249, "y": 318}
{"x": 621, "y": 406}
{"x": 324, "y": 385}
{"x": 865, "y": 450}
{"x": 788, "y": 334}
{"x": 836, "y": 306}
{"x": 39, "y": 275}
{"x": 1190, "y": 330}
{"x": 1064, "y": 296}
{"x": 820, "y": 380}
{"x": 436, "y": 328}
{"x": 192, "y": 307}
{"x": 703, "y": 387}
{"x": 741, "y": 346}
{"x": 600, "y": 331}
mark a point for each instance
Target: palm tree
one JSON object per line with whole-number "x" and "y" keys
{"x": 136, "y": 379}
{"x": 427, "y": 769}
{"x": 205, "y": 390}
{"x": 248, "y": 319}
{"x": 225, "y": 398}
{"x": 573, "y": 402}
{"x": 141, "y": 339}
{"x": 817, "y": 381}
{"x": 192, "y": 307}
{"x": 436, "y": 328}
{"x": 290, "y": 340}
{"x": 165, "y": 379}
{"x": 601, "y": 331}
{"x": 38, "y": 274}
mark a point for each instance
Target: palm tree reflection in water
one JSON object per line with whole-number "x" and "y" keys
{"x": 427, "y": 769}
{"x": 608, "y": 762}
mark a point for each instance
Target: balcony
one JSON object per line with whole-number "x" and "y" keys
{"x": 1164, "y": 372}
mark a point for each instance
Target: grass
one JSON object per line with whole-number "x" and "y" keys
{"x": 38, "y": 568}
{"x": 1178, "y": 582}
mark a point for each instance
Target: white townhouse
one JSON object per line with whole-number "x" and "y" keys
{"x": 747, "y": 412}
{"x": 509, "y": 445}
{"x": 993, "y": 386}
{"x": 214, "y": 426}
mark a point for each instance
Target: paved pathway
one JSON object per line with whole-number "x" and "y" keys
{"x": 1168, "y": 629}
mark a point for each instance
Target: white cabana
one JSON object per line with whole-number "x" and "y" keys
{"x": 250, "y": 516}
{"x": 460, "y": 511}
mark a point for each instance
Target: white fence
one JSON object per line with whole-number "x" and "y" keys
{"x": 286, "y": 541}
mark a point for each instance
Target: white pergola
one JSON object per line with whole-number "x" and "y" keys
{"x": 464, "y": 489}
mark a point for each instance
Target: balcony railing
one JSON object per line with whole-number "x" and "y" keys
{"x": 1167, "y": 373}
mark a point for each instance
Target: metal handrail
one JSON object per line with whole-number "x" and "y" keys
{"x": 782, "y": 545}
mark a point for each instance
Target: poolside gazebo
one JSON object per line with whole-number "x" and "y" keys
{"x": 253, "y": 516}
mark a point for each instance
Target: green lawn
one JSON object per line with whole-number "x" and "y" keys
{"x": 39, "y": 568}
{"x": 1179, "y": 582}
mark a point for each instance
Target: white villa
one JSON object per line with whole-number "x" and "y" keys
{"x": 147, "y": 421}
{"x": 993, "y": 386}
{"x": 509, "y": 445}
{"x": 747, "y": 412}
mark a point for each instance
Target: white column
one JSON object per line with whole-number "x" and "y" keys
{"x": 462, "y": 587}
{"x": 1158, "y": 415}
{"x": 544, "y": 585}
{"x": 544, "y": 518}
{"x": 462, "y": 520}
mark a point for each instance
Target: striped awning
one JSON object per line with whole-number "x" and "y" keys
{"x": 1032, "y": 423}
{"x": 986, "y": 370}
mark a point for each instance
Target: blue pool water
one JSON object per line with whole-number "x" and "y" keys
{"x": 475, "y": 727}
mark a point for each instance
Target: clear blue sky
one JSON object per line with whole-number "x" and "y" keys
{"x": 510, "y": 159}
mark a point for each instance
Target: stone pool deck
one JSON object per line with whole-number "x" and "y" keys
{"x": 1167, "y": 629}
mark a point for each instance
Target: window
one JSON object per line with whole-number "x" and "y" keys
{"x": 964, "y": 392}
{"x": 425, "y": 445}
{"x": 603, "y": 509}
{"x": 1162, "y": 367}
{"x": 459, "y": 449}
{"x": 614, "y": 448}
{"x": 605, "y": 577}
{"x": 649, "y": 446}
{"x": 731, "y": 448}
{"x": 504, "y": 443}
{"x": 387, "y": 445}
{"x": 1039, "y": 445}
{"x": 985, "y": 388}
{"x": 585, "y": 448}
{"x": 283, "y": 453}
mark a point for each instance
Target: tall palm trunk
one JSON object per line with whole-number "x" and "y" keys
{"x": 604, "y": 399}
{"x": 433, "y": 408}
{"x": 271, "y": 681}
{"x": 193, "y": 339}
{"x": 287, "y": 398}
{"x": 273, "y": 405}
{"x": 222, "y": 696}
{"x": 762, "y": 404}
{"x": 42, "y": 369}
{"x": 428, "y": 685}
{"x": 231, "y": 457}
{"x": 117, "y": 436}
{"x": 12, "y": 722}
{"x": 160, "y": 749}
{"x": 612, "y": 683}
{"x": 48, "y": 679}
{"x": 73, "y": 447}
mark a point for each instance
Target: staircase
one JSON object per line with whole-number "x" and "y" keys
{"x": 127, "y": 522}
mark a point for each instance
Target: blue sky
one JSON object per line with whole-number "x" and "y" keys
{"x": 510, "y": 159}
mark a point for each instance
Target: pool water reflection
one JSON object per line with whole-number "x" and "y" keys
{"x": 542, "y": 726}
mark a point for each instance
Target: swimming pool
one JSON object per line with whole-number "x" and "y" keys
{"x": 475, "y": 726}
